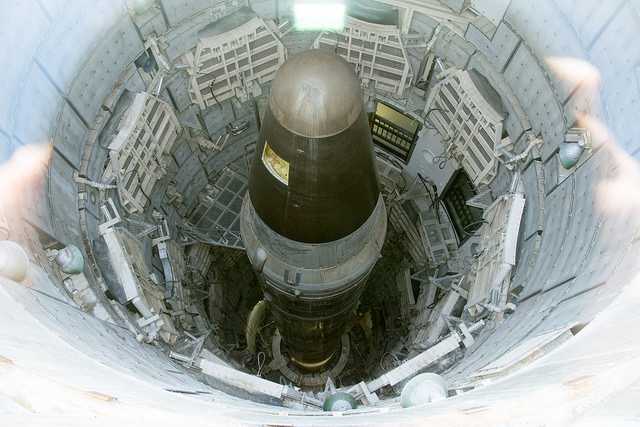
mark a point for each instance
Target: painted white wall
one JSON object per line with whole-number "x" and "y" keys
{"x": 61, "y": 59}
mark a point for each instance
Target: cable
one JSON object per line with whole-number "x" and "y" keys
{"x": 436, "y": 300}
{"x": 441, "y": 159}
{"x": 261, "y": 364}
{"x": 427, "y": 119}
{"x": 467, "y": 233}
{"x": 433, "y": 197}
{"x": 429, "y": 126}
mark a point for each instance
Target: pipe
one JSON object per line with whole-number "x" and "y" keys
{"x": 241, "y": 380}
{"x": 421, "y": 361}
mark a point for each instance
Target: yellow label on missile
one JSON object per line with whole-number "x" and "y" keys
{"x": 276, "y": 165}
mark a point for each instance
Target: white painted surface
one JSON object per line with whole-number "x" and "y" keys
{"x": 60, "y": 366}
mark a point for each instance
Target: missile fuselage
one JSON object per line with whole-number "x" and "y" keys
{"x": 313, "y": 221}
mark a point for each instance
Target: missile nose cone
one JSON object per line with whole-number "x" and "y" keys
{"x": 316, "y": 94}
{"x": 313, "y": 179}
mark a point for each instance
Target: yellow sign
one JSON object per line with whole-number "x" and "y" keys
{"x": 276, "y": 165}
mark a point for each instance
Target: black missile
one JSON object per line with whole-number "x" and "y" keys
{"x": 313, "y": 221}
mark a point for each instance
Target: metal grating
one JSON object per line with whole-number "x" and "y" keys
{"x": 467, "y": 112}
{"x": 234, "y": 63}
{"x": 147, "y": 131}
{"x": 216, "y": 218}
{"x": 464, "y": 217}
{"x": 375, "y": 50}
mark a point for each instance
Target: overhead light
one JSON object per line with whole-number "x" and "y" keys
{"x": 319, "y": 15}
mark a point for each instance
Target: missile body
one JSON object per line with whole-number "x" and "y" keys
{"x": 313, "y": 221}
